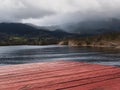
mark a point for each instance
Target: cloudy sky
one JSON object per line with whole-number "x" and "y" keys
{"x": 56, "y": 12}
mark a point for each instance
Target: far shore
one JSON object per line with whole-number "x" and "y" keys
{"x": 70, "y": 45}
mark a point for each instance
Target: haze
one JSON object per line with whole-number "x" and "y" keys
{"x": 57, "y": 12}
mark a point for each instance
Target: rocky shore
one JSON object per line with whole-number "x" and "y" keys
{"x": 76, "y": 43}
{"x": 109, "y": 40}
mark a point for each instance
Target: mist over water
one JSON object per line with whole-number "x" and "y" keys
{"x": 10, "y": 55}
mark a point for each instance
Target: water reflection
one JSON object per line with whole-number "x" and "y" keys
{"x": 30, "y": 54}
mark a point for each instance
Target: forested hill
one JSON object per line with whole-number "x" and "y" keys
{"x": 19, "y": 34}
{"x": 29, "y": 31}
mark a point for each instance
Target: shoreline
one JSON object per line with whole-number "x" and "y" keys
{"x": 92, "y": 46}
{"x": 76, "y": 44}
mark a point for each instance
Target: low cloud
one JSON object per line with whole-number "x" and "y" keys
{"x": 57, "y": 12}
{"x": 17, "y": 10}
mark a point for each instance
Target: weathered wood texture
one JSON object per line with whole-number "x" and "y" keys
{"x": 61, "y": 75}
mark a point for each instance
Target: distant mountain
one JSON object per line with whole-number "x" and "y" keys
{"x": 51, "y": 28}
{"x": 30, "y": 31}
{"x": 94, "y": 27}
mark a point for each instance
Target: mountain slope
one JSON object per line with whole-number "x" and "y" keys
{"x": 95, "y": 26}
{"x": 29, "y": 31}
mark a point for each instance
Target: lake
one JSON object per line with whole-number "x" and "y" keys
{"x": 10, "y": 55}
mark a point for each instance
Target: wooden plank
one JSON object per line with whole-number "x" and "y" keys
{"x": 61, "y": 75}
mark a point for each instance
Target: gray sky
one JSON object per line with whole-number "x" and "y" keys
{"x": 55, "y": 12}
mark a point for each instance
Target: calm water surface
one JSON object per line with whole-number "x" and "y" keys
{"x": 31, "y": 54}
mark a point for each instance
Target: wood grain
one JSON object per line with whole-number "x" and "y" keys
{"x": 59, "y": 75}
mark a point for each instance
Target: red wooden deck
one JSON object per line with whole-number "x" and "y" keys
{"x": 60, "y": 75}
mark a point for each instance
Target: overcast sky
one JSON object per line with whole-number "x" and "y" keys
{"x": 55, "y": 12}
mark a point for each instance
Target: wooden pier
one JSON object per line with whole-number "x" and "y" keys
{"x": 61, "y": 75}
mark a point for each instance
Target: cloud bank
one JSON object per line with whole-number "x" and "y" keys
{"x": 57, "y": 12}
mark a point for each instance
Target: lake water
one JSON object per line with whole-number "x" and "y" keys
{"x": 30, "y": 54}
